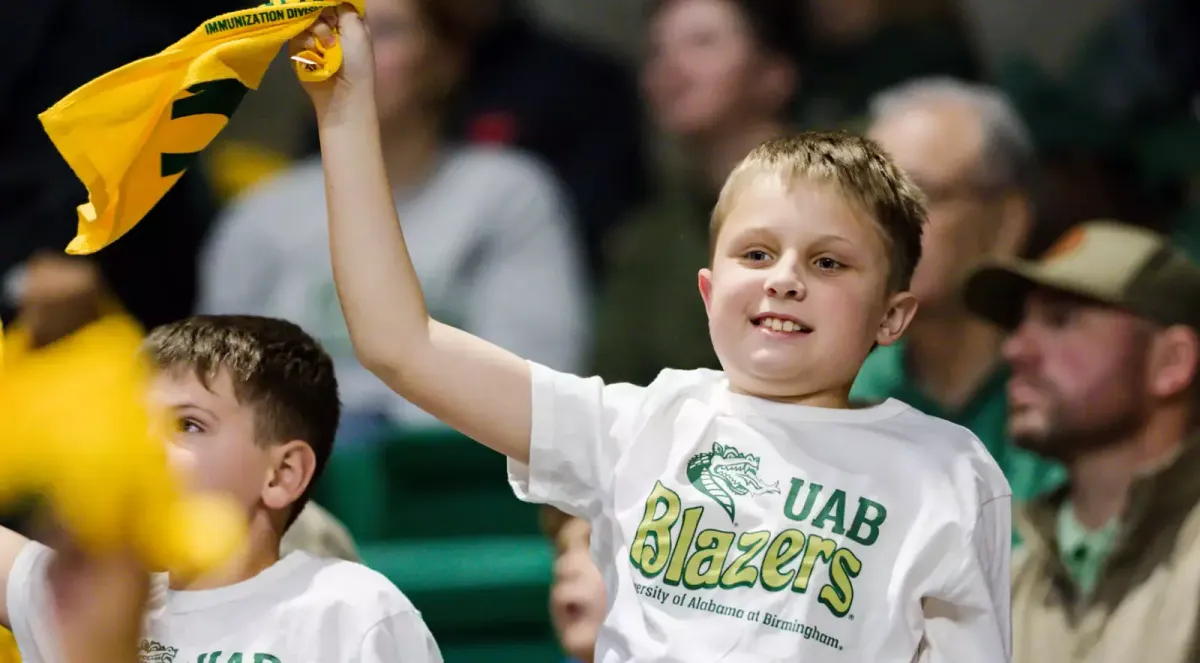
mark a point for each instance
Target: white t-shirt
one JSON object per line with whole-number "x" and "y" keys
{"x": 303, "y": 609}
{"x": 731, "y": 528}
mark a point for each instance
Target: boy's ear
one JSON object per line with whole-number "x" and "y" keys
{"x": 704, "y": 278}
{"x": 902, "y": 306}
{"x": 291, "y": 470}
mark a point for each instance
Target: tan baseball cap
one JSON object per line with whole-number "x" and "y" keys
{"x": 1112, "y": 263}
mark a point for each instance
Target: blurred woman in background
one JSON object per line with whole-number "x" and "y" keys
{"x": 719, "y": 79}
{"x": 490, "y": 233}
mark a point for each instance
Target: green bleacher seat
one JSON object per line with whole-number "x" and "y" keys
{"x": 535, "y": 651}
{"x": 468, "y": 589}
{"x": 354, "y": 488}
{"x": 419, "y": 484}
{"x": 453, "y": 486}
{"x": 432, "y": 511}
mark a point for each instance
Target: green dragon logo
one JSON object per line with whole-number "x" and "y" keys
{"x": 151, "y": 651}
{"x": 725, "y": 472}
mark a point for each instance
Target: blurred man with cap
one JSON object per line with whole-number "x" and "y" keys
{"x": 1104, "y": 351}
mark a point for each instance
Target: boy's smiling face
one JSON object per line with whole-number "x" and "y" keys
{"x": 798, "y": 291}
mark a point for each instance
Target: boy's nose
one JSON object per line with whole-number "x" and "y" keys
{"x": 784, "y": 284}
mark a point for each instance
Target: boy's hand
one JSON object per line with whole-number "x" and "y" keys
{"x": 99, "y": 603}
{"x": 354, "y": 82}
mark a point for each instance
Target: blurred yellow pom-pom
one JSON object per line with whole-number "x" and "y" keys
{"x": 75, "y": 426}
{"x": 203, "y": 532}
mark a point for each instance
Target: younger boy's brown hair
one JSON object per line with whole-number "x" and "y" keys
{"x": 863, "y": 173}
{"x": 276, "y": 368}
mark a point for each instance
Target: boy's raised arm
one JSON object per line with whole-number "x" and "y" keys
{"x": 474, "y": 386}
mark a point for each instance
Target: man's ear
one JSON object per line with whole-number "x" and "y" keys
{"x": 1172, "y": 361}
{"x": 291, "y": 470}
{"x": 902, "y": 307}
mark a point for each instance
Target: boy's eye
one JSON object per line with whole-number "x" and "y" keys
{"x": 828, "y": 264}
{"x": 186, "y": 425}
{"x": 757, "y": 255}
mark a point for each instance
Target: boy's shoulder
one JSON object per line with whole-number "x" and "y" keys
{"x": 672, "y": 386}
{"x": 348, "y": 586}
{"x": 302, "y": 603}
{"x": 299, "y": 588}
{"x": 668, "y": 385}
{"x": 950, "y": 448}
{"x": 700, "y": 380}
{"x": 935, "y": 441}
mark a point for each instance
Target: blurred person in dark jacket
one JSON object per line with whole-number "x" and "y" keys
{"x": 571, "y": 105}
{"x": 61, "y": 45}
{"x": 859, "y": 47}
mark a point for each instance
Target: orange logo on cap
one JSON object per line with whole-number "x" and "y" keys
{"x": 1066, "y": 244}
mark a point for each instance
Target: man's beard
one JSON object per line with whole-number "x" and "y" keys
{"x": 1066, "y": 438}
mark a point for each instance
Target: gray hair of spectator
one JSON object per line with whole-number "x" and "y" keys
{"x": 1007, "y": 157}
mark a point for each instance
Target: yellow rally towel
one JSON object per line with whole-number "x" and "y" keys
{"x": 130, "y": 134}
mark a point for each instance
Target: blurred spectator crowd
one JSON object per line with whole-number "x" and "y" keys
{"x": 556, "y": 196}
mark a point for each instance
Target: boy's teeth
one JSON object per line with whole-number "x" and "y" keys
{"x": 780, "y": 325}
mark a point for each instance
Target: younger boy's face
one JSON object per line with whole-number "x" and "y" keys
{"x": 212, "y": 444}
{"x": 577, "y": 601}
{"x": 797, "y": 293}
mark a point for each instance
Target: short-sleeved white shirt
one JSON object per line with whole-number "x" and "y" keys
{"x": 302, "y": 609}
{"x": 732, "y": 528}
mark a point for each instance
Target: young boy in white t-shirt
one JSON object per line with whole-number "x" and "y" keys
{"x": 256, "y": 406}
{"x": 744, "y": 515}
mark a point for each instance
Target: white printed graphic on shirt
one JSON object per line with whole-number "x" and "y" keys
{"x": 725, "y": 472}
{"x": 152, "y": 651}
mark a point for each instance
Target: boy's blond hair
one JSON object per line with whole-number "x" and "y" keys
{"x": 863, "y": 173}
